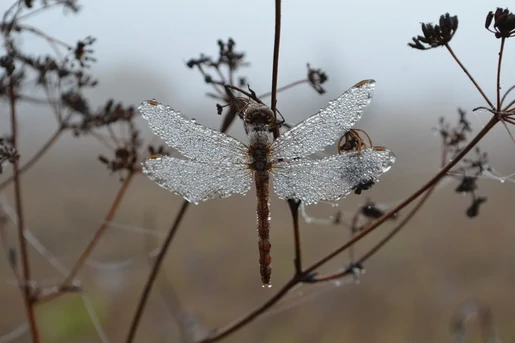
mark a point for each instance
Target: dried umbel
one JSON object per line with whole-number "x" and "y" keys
{"x": 7, "y": 152}
{"x": 436, "y": 35}
{"x": 504, "y": 23}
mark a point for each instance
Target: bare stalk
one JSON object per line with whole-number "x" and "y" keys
{"x": 98, "y": 234}
{"x": 154, "y": 271}
{"x": 27, "y": 296}
{"x": 499, "y": 64}
{"x": 469, "y": 75}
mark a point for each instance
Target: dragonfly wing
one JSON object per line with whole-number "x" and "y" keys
{"x": 329, "y": 178}
{"x": 198, "y": 181}
{"x": 193, "y": 140}
{"x": 325, "y": 127}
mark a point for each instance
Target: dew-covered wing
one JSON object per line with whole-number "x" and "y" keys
{"x": 193, "y": 140}
{"x": 329, "y": 178}
{"x": 198, "y": 181}
{"x": 325, "y": 127}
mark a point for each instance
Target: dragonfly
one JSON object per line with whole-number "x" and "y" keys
{"x": 217, "y": 165}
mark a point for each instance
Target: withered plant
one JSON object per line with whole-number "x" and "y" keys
{"x": 60, "y": 79}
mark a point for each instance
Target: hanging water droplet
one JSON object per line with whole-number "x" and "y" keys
{"x": 337, "y": 283}
{"x": 266, "y": 285}
{"x": 193, "y": 120}
{"x": 502, "y": 179}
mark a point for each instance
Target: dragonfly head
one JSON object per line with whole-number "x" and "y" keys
{"x": 258, "y": 115}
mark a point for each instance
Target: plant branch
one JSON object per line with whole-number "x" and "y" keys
{"x": 294, "y": 209}
{"x": 27, "y": 296}
{"x": 468, "y": 74}
{"x": 275, "y": 68}
{"x": 155, "y": 269}
{"x": 286, "y": 87}
{"x": 499, "y": 64}
{"x": 100, "y": 231}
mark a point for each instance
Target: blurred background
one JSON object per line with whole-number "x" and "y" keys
{"x": 411, "y": 287}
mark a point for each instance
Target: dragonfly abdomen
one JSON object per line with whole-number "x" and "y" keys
{"x": 261, "y": 179}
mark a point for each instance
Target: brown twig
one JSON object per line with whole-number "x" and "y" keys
{"x": 468, "y": 74}
{"x": 499, "y": 64}
{"x": 27, "y": 296}
{"x": 154, "y": 271}
{"x": 275, "y": 68}
{"x": 294, "y": 209}
{"x": 286, "y": 87}
{"x": 100, "y": 231}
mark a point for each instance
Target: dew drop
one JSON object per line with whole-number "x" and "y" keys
{"x": 193, "y": 120}
{"x": 337, "y": 283}
{"x": 502, "y": 179}
{"x": 266, "y": 285}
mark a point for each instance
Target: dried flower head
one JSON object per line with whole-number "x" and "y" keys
{"x": 7, "y": 63}
{"x": 7, "y": 151}
{"x": 436, "y": 35}
{"x": 316, "y": 78}
{"x": 504, "y": 23}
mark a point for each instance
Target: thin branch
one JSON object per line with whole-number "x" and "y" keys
{"x": 275, "y": 68}
{"x": 468, "y": 74}
{"x": 294, "y": 208}
{"x": 499, "y": 64}
{"x": 27, "y": 296}
{"x": 283, "y": 88}
{"x": 153, "y": 273}
{"x": 110, "y": 215}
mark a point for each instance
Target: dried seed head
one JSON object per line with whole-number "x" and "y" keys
{"x": 504, "y": 23}
{"x": 436, "y": 35}
{"x": 316, "y": 78}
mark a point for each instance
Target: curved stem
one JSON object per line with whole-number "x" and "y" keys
{"x": 153, "y": 273}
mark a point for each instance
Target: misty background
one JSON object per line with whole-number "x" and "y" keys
{"x": 411, "y": 287}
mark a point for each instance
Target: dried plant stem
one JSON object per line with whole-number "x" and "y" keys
{"x": 469, "y": 75}
{"x": 27, "y": 296}
{"x": 275, "y": 68}
{"x": 41, "y": 152}
{"x": 298, "y": 278}
{"x": 286, "y": 87}
{"x": 100, "y": 231}
{"x": 499, "y": 64}
{"x": 294, "y": 209}
{"x": 154, "y": 271}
